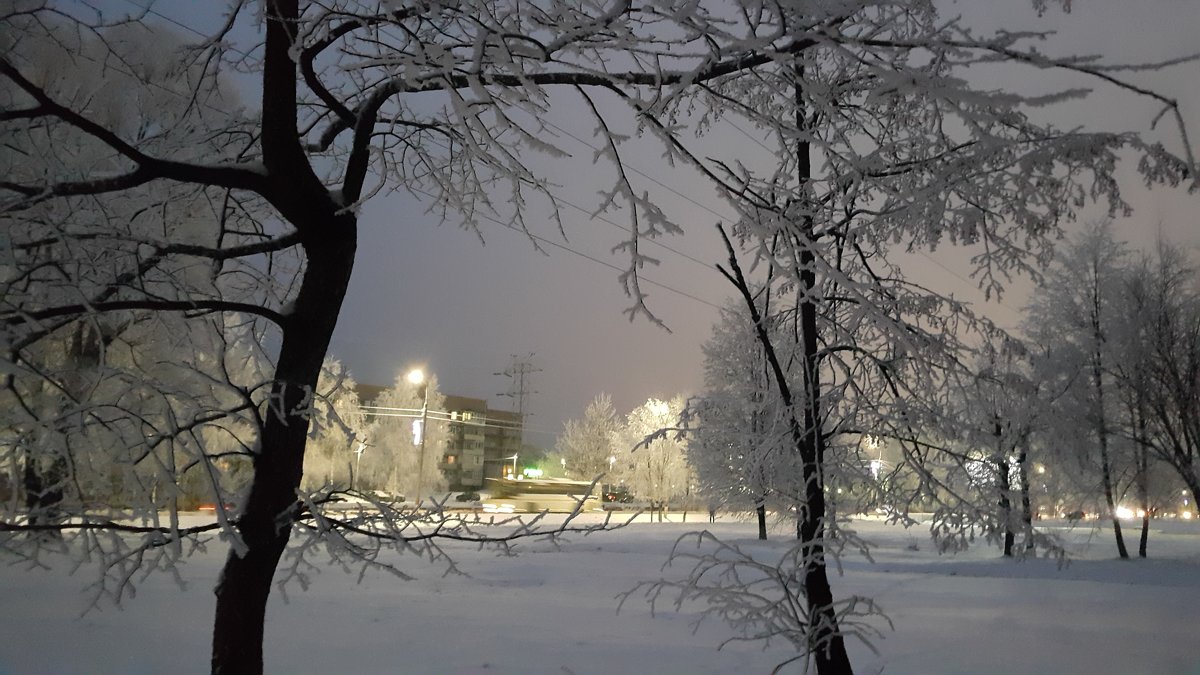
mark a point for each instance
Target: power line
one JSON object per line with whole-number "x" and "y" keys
{"x": 543, "y": 240}
{"x": 633, "y": 168}
{"x": 520, "y": 369}
{"x": 691, "y": 200}
{"x": 455, "y": 416}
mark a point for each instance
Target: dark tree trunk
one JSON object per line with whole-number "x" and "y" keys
{"x": 1002, "y": 469}
{"x": 760, "y": 511}
{"x": 824, "y": 640}
{"x": 1110, "y": 501}
{"x": 828, "y": 645}
{"x": 1140, "y": 441}
{"x": 1100, "y": 412}
{"x": 265, "y": 521}
{"x": 1004, "y": 481}
{"x": 43, "y": 479}
{"x": 1026, "y": 502}
{"x": 1143, "y": 487}
{"x": 329, "y": 238}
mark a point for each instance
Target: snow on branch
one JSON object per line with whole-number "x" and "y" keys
{"x": 760, "y": 596}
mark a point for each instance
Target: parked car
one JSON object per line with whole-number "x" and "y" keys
{"x": 620, "y": 495}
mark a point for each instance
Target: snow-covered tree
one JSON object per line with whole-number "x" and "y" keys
{"x": 392, "y": 460}
{"x": 737, "y": 441}
{"x": 123, "y": 407}
{"x": 1157, "y": 373}
{"x": 656, "y": 457}
{"x": 588, "y": 444}
{"x": 338, "y": 431}
{"x": 356, "y": 98}
{"x": 1075, "y": 309}
{"x": 984, "y": 485}
{"x": 876, "y": 142}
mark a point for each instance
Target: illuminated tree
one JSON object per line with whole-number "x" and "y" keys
{"x": 658, "y": 465}
{"x": 336, "y": 431}
{"x": 392, "y": 458}
{"x": 737, "y": 441}
{"x": 1074, "y": 312}
{"x": 588, "y": 444}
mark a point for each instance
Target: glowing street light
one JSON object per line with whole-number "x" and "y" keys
{"x": 358, "y": 452}
{"x": 416, "y": 377}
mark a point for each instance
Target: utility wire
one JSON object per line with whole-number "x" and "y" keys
{"x": 149, "y": 9}
{"x": 634, "y": 169}
{"x": 598, "y": 261}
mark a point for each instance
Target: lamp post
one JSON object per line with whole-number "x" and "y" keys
{"x": 362, "y": 445}
{"x": 417, "y": 377}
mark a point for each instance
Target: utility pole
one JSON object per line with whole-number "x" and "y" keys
{"x": 518, "y": 389}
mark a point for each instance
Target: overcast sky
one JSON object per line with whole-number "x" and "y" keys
{"x": 432, "y": 294}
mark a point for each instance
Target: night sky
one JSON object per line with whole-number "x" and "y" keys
{"x": 431, "y": 294}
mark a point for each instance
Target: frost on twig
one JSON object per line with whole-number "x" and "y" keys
{"x": 760, "y": 595}
{"x": 356, "y": 532}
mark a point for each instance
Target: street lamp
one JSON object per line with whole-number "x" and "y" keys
{"x": 417, "y": 377}
{"x": 362, "y": 445}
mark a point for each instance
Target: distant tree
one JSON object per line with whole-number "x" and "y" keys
{"x": 1159, "y": 371}
{"x": 656, "y": 455}
{"x": 392, "y": 456}
{"x": 588, "y": 444}
{"x": 1001, "y": 407}
{"x": 1075, "y": 310}
{"x": 737, "y": 440}
{"x": 337, "y": 431}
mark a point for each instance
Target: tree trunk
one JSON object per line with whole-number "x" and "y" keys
{"x": 1101, "y": 419}
{"x": 43, "y": 480}
{"x": 328, "y": 235}
{"x": 829, "y": 648}
{"x": 1143, "y": 469}
{"x": 1143, "y": 487}
{"x": 1106, "y": 475}
{"x": 761, "y": 512}
{"x": 1026, "y": 502}
{"x": 1002, "y": 470}
{"x": 1004, "y": 481}
{"x": 824, "y": 639}
{"x": 265, "y": 521}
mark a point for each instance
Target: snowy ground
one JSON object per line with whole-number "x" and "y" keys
{"x": 554, "y": 611}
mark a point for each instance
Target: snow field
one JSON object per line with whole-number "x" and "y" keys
{"x": 554, "y": 610}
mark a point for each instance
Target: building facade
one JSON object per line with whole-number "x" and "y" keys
{"x": 480, "y": 442}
